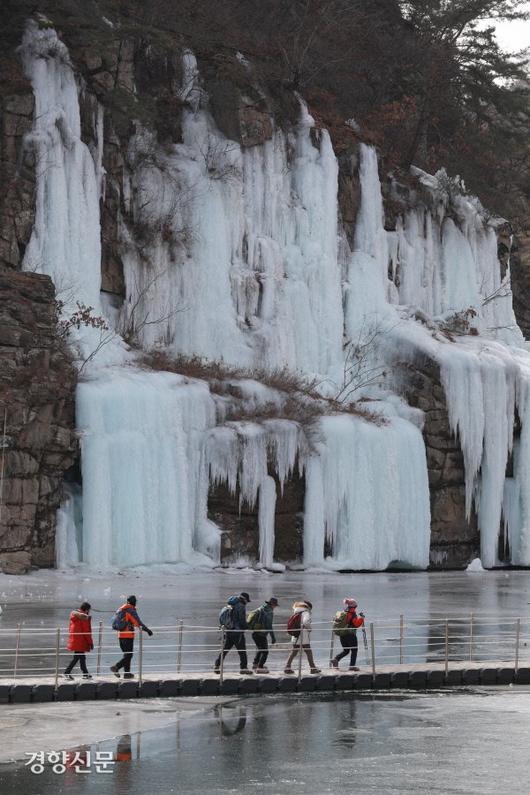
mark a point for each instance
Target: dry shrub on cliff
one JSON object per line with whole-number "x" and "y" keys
{"x": 300, "y": 402}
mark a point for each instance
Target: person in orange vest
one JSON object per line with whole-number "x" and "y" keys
{"x": 125, "y": 621}
{"x": 79, "y": 639}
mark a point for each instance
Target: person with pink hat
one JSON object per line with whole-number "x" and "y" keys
{"x": 346, "y": 624}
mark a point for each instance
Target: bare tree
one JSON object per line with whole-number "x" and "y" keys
{"x": 360, "y": 367}
{"x": 138, "y": 317}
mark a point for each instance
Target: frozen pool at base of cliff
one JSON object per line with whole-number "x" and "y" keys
{"x": 165, "y": 594}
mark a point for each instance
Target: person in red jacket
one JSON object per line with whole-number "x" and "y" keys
{"x": 79, "y": 639}
{"x": 348, "y": 638}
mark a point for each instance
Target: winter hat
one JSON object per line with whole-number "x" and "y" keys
{"x": 244, "y": 595}
{"x": 350, "y": 602}
{"x": 273, "y": 601}
{"x": 131, "y": 600}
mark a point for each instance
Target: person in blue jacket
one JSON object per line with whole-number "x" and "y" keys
{"x": 234, "y": 621}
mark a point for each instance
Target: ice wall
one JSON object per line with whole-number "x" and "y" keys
{"x": 145, "y": 480}
{"x": 66, "y": 239}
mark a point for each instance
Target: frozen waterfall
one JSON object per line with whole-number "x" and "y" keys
{"x": 240, "y": 261}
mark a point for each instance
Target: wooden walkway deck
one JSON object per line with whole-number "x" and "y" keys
{"x": 387, "y": 677}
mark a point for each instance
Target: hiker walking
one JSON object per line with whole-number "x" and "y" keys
{"x": 233, "y": 619}
{"x": 260, "y": 622}
{"x": 345, "y": 625}
{"x": 79, "y": 639}
{"x": 299, "y": 627}
{"x": 125, "y": 620}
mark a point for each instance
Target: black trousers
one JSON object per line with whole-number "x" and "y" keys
{"x": 236, "y": 639}
{"x": 349, "y": 644}
{"x": 260, "y": 639}
{"x": 126, "y": 645}
{"x": 77, "y": 658}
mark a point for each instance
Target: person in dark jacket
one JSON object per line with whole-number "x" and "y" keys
{"x": 126, "y": 637}
{"x": 261, "y": 626}
{"x": 235, "y": 633}
{"x": 79, "y": 639}
{"x": 348, "y": 635}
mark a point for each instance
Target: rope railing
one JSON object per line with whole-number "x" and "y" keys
{"x": 187, "y": 649}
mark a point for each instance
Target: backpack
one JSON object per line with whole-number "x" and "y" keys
{"x": 294, "y": 624}
{"x": 119, "y": 622}
{"x": 255, "y": 619}
{"x": 226, "y": 618}
{"x": 340, "y": 623}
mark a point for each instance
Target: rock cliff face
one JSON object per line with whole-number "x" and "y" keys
{"x": 520, "y": 270}
{"x": 37, "y": 385}
{"x": 455, "y": 538}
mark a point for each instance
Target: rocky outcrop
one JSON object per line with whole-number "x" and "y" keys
{"x": 240, "y": 529}
{"x": 455, "y": 541}
{"x": 17, "y": 167}
{"x": 37, "y": 387}
{"x": 520, "y": 274}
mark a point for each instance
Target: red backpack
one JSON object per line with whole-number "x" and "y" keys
{"x": 294, "y": 624}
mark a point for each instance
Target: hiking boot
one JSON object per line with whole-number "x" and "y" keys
{"x": 87, "y": 676}
{"x": 334, "y": 663}
{"x": 217, "y": 671}
{"x": 288, "y": 671}
{"x": 315, "y": 671}
{"x": 353, "y": 668}
{"x": 262, "y": 670}
{"x": 69, "y": 676}
{"x": 114, "y": 669}
{"x": 246, "y": 672}
{"x": 128, "y": 676}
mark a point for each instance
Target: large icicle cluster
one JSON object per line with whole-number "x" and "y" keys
{"x": 247, "y": 270}
{"x": 232, "y": 253}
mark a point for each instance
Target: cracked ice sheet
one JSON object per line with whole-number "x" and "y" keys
{"x": 58, "y": 727}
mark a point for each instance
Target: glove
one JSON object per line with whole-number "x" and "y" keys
{"x": 273, "y": 641}
{"x": 91, "y": 647}
{"x": 149, "y": 632}
{"x": 362, "y": 615}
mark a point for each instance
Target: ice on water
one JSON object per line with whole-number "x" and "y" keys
{"x": 243, "y": 259}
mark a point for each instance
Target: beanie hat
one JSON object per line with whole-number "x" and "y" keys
{"x": 244, "y": 595}
{"x": 273, "y": 601}
{"x": 350, "y": 602}
{"x": 131, "y": 600}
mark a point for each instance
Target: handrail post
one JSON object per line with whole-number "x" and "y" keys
{"x": 140, "y": 658}
{"x": 179, "y": 641}
{"x": 100, "y": 641}
{"x": 517, "y": 639}
{"x": 57, "y": 645}
{"x": 446, "y": 646}
{"x": 331, "y": 647}
{"x": 221, "y": 666}
{"x": 17, "y": 649}
{"x": 401, "y": 625}
{"x": 372, "y": 644}
{"x": 471, "y": 638}
{"x": 300, "y": 653}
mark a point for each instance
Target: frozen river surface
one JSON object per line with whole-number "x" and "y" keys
{"x": 451, "y": 742}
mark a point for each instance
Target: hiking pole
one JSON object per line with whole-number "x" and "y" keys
{"x": 331, "y": 647}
